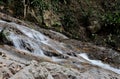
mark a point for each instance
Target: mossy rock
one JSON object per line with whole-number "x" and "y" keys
{"x": 4, "y": 37}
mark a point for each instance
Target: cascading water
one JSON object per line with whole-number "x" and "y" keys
{"x": 39, "y": 38}
{"x": 31, "y": 41}
{"x": 99, "y": 63}
{"x": 22, "y": 42}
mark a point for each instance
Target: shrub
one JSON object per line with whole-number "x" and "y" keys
{"x": 111, "y": 22}
{"x": 111, "y": 17}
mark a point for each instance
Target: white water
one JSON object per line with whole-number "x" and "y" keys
{"x": 28, "y": 42}
{"x": 57, "y": 59}
{"x": 40, "y": 37}
{"x": 30, "y": 32}
{"x": 32, "y": 39}
{"x": 99, "y": 63}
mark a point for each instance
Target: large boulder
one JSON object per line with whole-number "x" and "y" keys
{"x": 6, "y": 31}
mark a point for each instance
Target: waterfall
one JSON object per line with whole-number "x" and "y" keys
{"x": 31, "y": 41}
{"x": 37, "y": 37}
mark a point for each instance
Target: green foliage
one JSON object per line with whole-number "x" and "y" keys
{"x": 18, "y": 8}
{"x": 1, "y": 2}
{"x": 62, "y": 1}
{"x": 56, "y": 5}
{"x": 40, "y": 4}
{"x": 6, "y": 2}
{"x": 68, "y": 21}
{"x": 111, "y": 18}
{"x": 85, "y": 14}
{"x": 110, "y": 40}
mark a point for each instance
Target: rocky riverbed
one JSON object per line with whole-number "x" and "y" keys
{"x": 45, "y": 54}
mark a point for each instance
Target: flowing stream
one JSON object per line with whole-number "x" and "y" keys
{"x": 32, "y": 41}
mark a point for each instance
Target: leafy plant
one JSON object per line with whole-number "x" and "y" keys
{"x": 41, "y": 5}
{"x": 68, "y": 21}
{"x": 111, "y": 18}
{"x": 85, "y": 14}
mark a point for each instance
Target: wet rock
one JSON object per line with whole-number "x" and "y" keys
{"x": 69, "y": 73}
{"x": 49, "y": 51}
{"x": 5, "y": 73}
{"x": 6, "y": 31}
{"x": 4, "y": 38}
{"x": 104, "y": 54}
{"x": 33, "y": 71}
{"x": 52, "y": 34}
{"x": 36, "y": 56}
{"x": 59, "y": 76}
{"x": 55, "y": 69}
